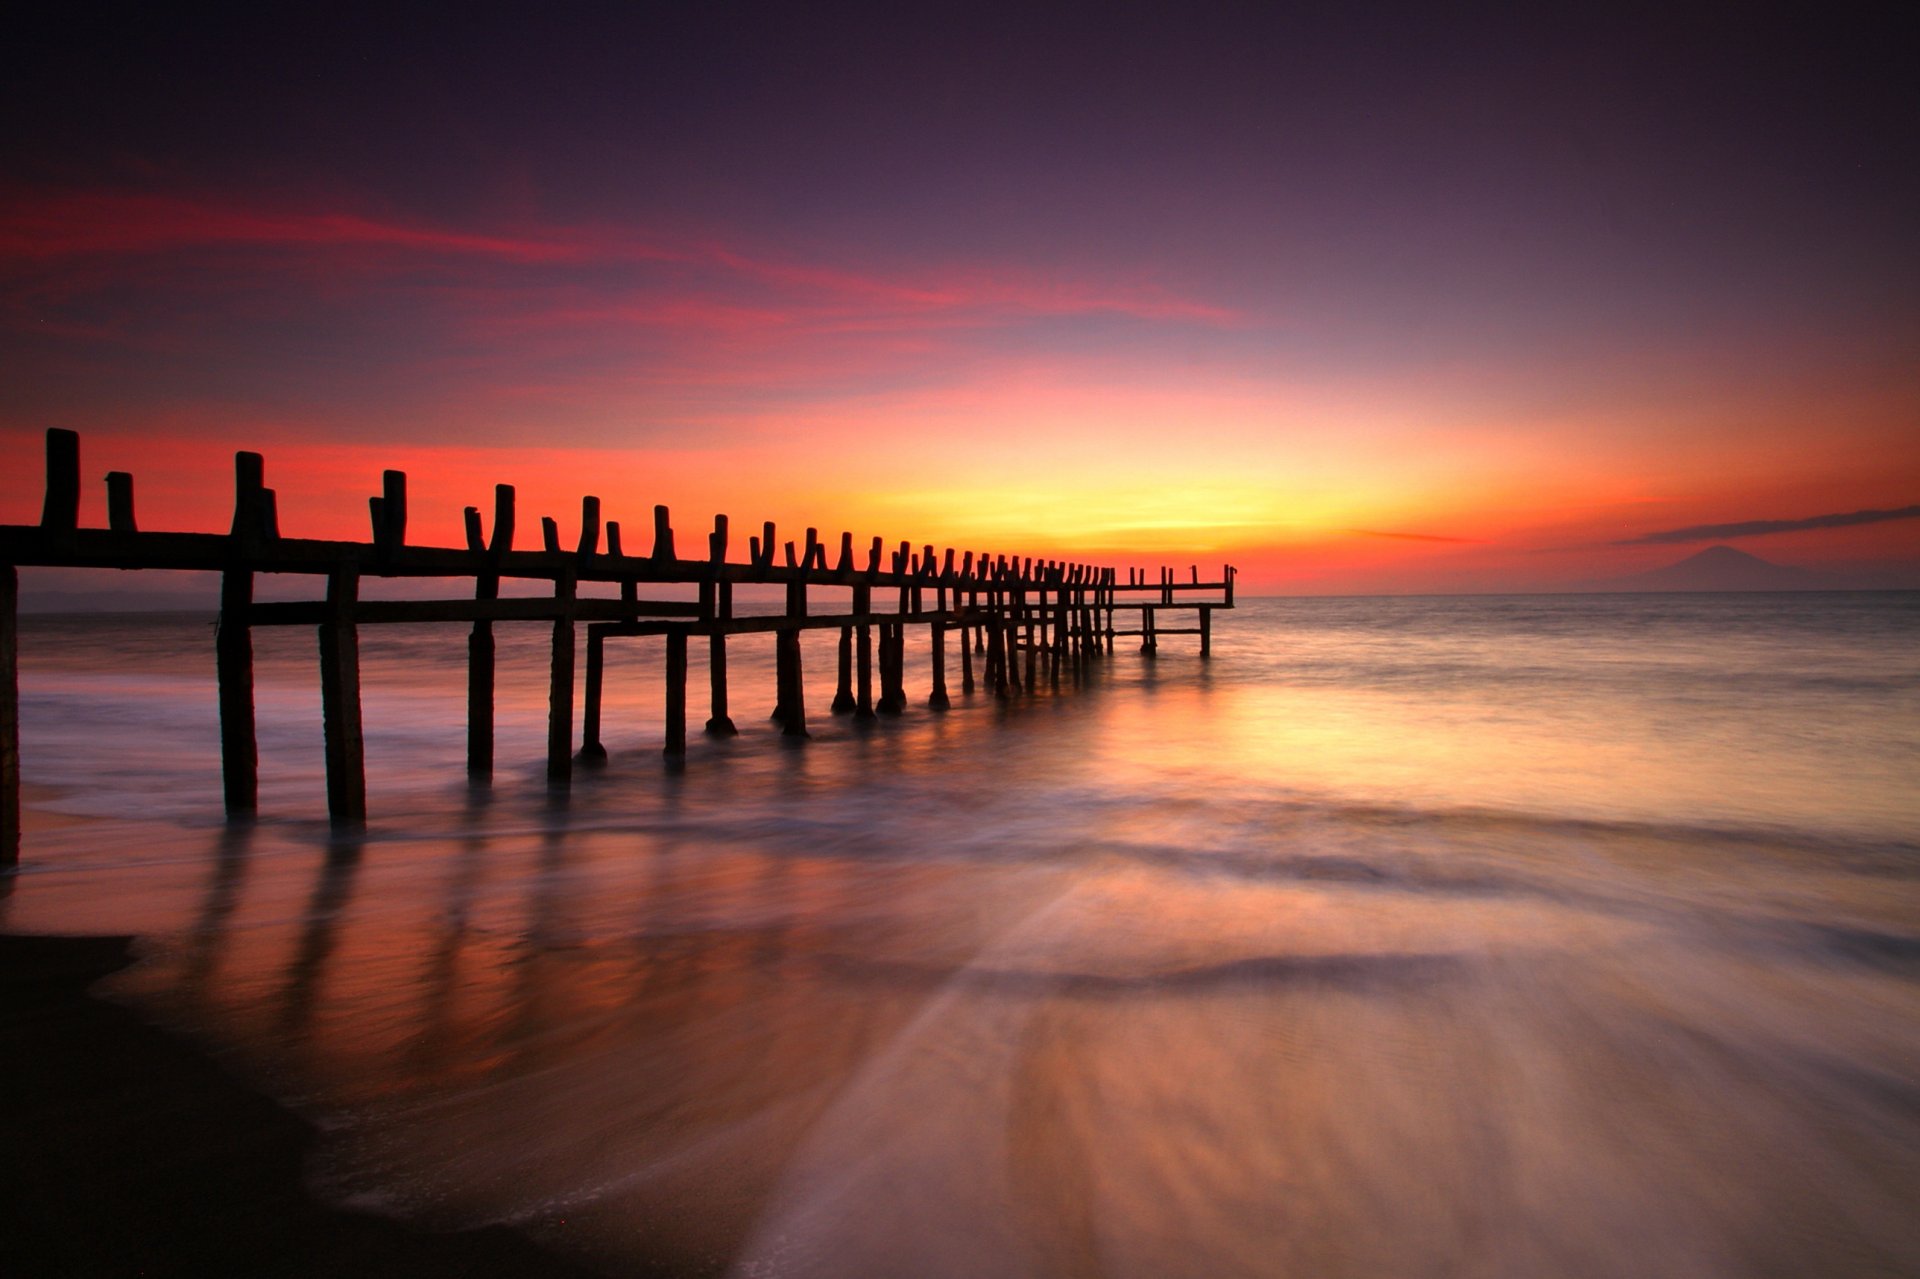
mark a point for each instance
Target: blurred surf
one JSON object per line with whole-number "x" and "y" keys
{"x": 1524, "y": 935}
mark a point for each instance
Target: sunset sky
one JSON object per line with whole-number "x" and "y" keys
{"x": 1380, "y": 300}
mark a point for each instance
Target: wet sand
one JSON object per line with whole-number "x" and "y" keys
{"x": 129, "y": 1153}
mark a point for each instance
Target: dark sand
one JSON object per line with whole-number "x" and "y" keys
{"x": 126, "y": 1153}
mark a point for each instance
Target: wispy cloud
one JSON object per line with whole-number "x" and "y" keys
{"x": 1407, "y": 537}
{"x": 1759, "y": 528}
{"x": 48, "y": 229}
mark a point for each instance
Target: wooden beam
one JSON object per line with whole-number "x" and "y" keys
{"x": 518, "y": 609}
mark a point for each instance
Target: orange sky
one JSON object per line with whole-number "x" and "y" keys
{"x": 1356, "y": 314}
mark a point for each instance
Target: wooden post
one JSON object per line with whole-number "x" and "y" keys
{"x": 843, "y": 701}
{"x": 663, "y": 536}
{"x": 676, "y": 745}
{"x": 120, "y": 502}
{"x": 997, "y": 656}
{"x": 560, "y": 686}
{"x": 966, "y": 659}
{"x": 9, "y": 716}
{"x": 591, "y": 749}
{"x": 589, "y": 528}
{"x": 340, "y": 700}
{"x": 1028, "y": 611}
{"x": 1206, "y": 632}
{"x": 393, "y": 509}
{"x": 61, "y": 510}
{"x": 893, "y": 695}
{"x": 719, "y": 723}
{"x": 233, "y": 645}
{"x": 1148, "y": 644}
{"x": 792, "y": 708}
{"x": 233, "y": 662}
{"x": 480, "y": 646}
{"x": 863, "y": 698}
{"x": 937, "y": 637}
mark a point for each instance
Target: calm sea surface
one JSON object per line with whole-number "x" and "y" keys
{"x": 1499, "y": 936}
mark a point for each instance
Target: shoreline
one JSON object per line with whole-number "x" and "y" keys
{"x": 131, "y": 1153}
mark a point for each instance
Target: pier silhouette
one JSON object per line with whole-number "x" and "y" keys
{"x": 1019, "y": 622}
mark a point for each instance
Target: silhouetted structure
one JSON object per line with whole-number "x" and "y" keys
{"x": 1058, "y": 616}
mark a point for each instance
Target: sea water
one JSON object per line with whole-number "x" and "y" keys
{"x": 1495, "y": 936}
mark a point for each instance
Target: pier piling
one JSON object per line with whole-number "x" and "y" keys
{"x": 1020, "y": 616}
{"x": 340, "y": 701}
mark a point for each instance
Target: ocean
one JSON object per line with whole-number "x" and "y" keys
{"x": 1505, "y": 936}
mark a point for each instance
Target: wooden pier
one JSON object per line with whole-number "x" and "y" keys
{"x": 1019, "y": 622}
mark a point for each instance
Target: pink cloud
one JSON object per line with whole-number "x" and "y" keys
{"x": 65, "y": 230}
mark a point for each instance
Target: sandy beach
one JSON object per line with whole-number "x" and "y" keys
{"x": 130, "y": 1153}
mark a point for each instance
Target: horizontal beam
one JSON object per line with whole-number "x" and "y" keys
{"x": 28, "y": 545}
{"x": 519, "y": 609}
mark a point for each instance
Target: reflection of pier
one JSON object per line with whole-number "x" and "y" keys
{"x": 1027, "y": 621}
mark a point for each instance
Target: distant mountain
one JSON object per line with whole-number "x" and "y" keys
{"x": 1722, "y": 568}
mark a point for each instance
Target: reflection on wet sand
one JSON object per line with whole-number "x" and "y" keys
{"x": 825, "y": 1064}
